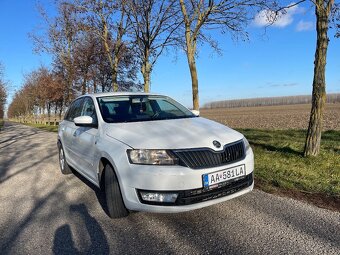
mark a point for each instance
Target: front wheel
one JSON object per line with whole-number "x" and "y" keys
{"x": 114, "y": 201}
{"x": 64, "y": 167}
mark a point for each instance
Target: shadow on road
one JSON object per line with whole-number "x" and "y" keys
{"x": 99, "y": 193}
{"x": 10, "y": 153}
{"x": 63, "y": 242}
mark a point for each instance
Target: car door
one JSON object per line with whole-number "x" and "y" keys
{"x": 85, "y": 140}
{"x": 68, "y": 130}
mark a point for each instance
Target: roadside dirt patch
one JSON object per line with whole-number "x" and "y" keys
{"x": 273, "y": 117}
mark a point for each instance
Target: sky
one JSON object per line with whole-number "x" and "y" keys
{"x": 276, "y": 61}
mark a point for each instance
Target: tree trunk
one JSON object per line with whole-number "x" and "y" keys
{"x": 94, "y": 85}
{"x": 191, "y": 43}
{"x": 191, "y": 49}
{"x": 105, "y": 38}
{"x": 194, "y": 82}
{"x": 49, "y": 112}
{"x": 69, "y": 70}
{"x": 146, "y": 71}
{"x": 83, "y": 87}
{"x": 312, "y": 146}
{"x": 115, "y": 72}
{"x": 60, "y": 110}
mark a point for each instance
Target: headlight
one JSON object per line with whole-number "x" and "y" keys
{"x": 246, "y": 144}
{"x": 151, "y": 157}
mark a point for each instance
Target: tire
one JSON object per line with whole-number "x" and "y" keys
{"x": 113, "y": 196}
{"x": 64, "y": 167}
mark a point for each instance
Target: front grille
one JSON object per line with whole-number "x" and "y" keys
{"x": 206, "y": 158}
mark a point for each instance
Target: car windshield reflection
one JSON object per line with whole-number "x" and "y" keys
{"x": 115, "y": 109}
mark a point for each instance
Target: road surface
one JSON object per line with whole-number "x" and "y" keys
{"x": 45, "y": 212}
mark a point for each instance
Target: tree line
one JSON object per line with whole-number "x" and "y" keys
{"x": 104, "y": 45}
{"x": 269, "y": 101}
{"x": 42, "y": 92}
{"x": 3, "y": 92}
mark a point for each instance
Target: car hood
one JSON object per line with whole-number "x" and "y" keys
{"x": 184, "y": 133}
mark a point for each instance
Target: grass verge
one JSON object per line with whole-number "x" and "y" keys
{"x": 1, "y": 123}
{"x": 281, "y": 168}
{"x": 43, "y": 127}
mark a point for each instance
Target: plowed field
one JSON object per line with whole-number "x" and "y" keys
{"x": 273, "y": 117}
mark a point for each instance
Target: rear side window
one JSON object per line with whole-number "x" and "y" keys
{"x": 75, "y": 109}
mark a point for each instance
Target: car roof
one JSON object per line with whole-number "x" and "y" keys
{"x": 96, "y": 95}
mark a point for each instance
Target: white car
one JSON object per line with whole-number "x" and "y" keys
{"x": 149, "y": 153}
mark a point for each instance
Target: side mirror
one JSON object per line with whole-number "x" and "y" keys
{"x": 84, "y": 121}
{"x": 196, "y": 112}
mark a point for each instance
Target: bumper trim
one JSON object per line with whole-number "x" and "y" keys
{"x": 194, "y": 196}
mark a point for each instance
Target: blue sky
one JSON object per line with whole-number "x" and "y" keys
{"x": 277, "y": 61}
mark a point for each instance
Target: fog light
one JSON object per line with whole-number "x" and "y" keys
{"x": 158, "y": 197}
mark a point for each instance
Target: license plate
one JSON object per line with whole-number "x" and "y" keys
{"x": 213, "y": 179}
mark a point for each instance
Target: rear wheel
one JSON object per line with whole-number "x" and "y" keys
{"x": 64, "y": 167}
{"x": 114, "y": 201}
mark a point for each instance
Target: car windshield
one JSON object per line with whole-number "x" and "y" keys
{"x": 141, "y": 108}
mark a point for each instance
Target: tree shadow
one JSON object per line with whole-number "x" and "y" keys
{"x": 100, "y": 194}
{"x": 331, "y": 135}
{"x": 286, "y": 149}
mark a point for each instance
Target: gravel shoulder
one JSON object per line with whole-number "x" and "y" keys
{"x": 45, "y": 212}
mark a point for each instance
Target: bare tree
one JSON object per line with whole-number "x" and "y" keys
{"x": 326, "y": 13}
{"x": 223, "y": 15}
{"x": 152, "y": 26}
{"x": 85, "y": 59}
{"x": 107, "y": 19}
{"x": 322, "y": 11}
{"x": 60, "y": 40}
{"x": 335, "y": 19}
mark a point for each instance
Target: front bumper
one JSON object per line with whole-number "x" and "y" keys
{"x": 193, "y": 196}
{"x": 185, "y": 181}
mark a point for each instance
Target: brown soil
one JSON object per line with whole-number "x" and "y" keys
{"x": 273, "y": 117}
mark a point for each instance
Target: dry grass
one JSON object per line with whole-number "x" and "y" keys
{"x": 273, "y": 117}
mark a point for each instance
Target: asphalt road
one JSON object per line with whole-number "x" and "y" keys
{"x": 45, "y": 212}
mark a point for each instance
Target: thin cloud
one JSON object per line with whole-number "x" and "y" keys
{"x": 278, "y": 85}
{"x": 267, "y": 17}
{"x": 304, "y": 26}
